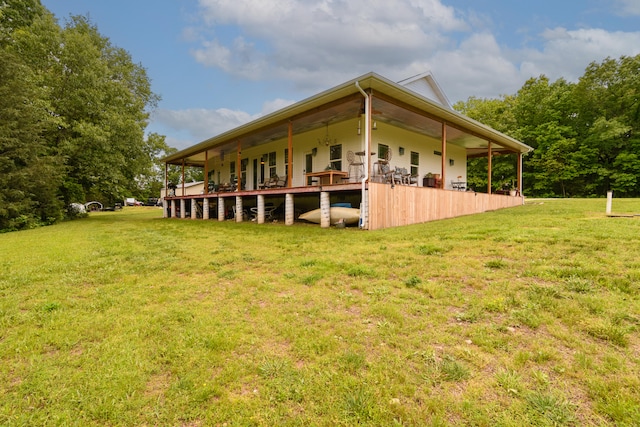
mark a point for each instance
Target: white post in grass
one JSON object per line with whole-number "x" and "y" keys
{"x": 325, "y": 210}
{"x": 173, "y": 208}
{"x": 609, "y": 199}
{"x": 183, "y": 213}
{"x": 205, "y": 208}
{"x": 289, "y": 215}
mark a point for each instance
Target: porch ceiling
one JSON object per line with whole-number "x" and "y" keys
{"x": 392, "y": 104}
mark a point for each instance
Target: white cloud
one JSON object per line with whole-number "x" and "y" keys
{"x": 478, "y": 67}
{"x": 628, "y": 7}
{"x": 198, "y": 124}
{"x": 318, "y": 43}
{"x": 567, "y": 53}
{"x": 191, "y": 126}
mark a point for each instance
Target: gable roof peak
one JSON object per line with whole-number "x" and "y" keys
{"x": 426, "y": 85}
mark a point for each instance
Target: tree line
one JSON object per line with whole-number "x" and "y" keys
{"x": 73, "y": 113}
{"x": 584, "y": 134}
{"x": 74, "y": 109}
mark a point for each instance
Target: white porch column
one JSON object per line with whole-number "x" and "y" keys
{"x": 205, "y": 208}
{"x": 325, "y": 210}
{"x": 173, "y": 209}
{"x": 194, "y": 209}
{"x": 183, "y": 213}
{"x": 289, "y": 214}
{"x": 238, "y": 209}
{"x": 220, "y": 209}
{"x": 260, "y": 202}
{"x": 165, "y": 207}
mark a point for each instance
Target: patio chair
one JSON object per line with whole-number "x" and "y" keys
{"x": 398, "y": 176}
{"x": 383, "y": 162}
{"x": 385, "y": 174}
{"x": 412, "y": 179}
{"x": 245, "y": 214}
{"x": 356, "y": 165}
{"x": 269, "y": 212}
{"x": 458, "y": 185}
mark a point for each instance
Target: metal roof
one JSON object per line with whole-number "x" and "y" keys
{"x": 391, "y": 103}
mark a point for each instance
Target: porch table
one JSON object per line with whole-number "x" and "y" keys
{"x": 323, "y": 175}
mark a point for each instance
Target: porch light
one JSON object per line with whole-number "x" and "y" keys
{"x": 327, "y": 140}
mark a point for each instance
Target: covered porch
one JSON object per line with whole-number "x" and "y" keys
{"x": 352, "y": 142}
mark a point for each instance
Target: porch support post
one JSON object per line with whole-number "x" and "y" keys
{"x": 325, "y": 210}
{"x": 489, "y": 170}
{"x": 220, "y": 208}
{"x": 173, "y": 208}
{"x": 206, "y": 172}
{"x": 519, "y": 167}
{"x": 238, "y": 208}
{"x": 183, "y": 177}
{"x": 239, "y": 171}
{"x": 288, "y": 209}
{"x": 443, "y": 159}
{"x": 289, "y": 155}
{"x": 368, "y": 127}
{"x": 205, "y": 208}
{"x": 166, "y": 191}
{"x": 194, "y": 208}
{"x": 183, "y": 211}
{"x": 260, "y": 203}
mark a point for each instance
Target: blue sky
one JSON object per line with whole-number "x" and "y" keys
{"x": 220, "y": 63}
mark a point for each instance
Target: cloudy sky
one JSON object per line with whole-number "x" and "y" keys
{"x": 220, "y": 63}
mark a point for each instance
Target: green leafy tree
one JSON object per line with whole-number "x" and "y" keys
{"x": 29, "y": 174}
{"x": 99, "y": 102}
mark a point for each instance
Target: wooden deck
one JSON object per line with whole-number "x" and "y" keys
{"x": 389, "y": 206}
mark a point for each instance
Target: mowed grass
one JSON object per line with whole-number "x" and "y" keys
{"x": 525, "y": 316}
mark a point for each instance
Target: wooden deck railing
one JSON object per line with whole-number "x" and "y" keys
{"x": 404, "y": 205}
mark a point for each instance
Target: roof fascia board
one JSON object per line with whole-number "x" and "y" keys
{"x": 369, "y": 82}
{"x": 451, "y": 117}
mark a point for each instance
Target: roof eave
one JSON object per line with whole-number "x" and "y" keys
{"x": 371, "y": 81}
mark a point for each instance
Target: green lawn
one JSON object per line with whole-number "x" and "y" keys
{"x": 525, "y": 316}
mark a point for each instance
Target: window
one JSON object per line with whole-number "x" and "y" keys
{"x": 335, "y": 157}
{"x": 415, "y": 163}
{"x": 383, "y": 149}
{"x": 243, "y": 172}
{"x": 286, "y": 161}
{"x": 272, "y": 164}
{"x": 232, "y": 171}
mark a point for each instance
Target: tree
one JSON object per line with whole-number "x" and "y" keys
{"x": 99, "y": 100}
{"x": 29, "y": 175}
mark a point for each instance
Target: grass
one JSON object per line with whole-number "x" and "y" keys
{"x": 526, "y": 316}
